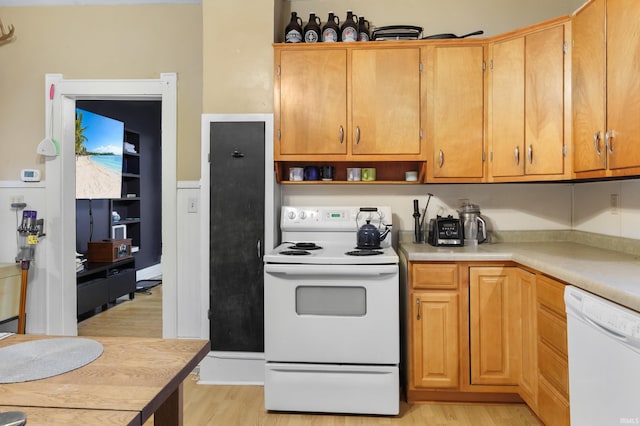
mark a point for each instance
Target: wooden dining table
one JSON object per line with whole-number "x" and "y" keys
{"x": 133, "y": 379}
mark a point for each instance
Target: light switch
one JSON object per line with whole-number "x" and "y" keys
{"x": 192, "y": 205}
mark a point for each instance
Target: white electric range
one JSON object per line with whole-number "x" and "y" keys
{"x": 331, "y": 315}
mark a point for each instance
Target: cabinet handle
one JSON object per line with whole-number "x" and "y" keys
{"x": 517, "y": 153}
{"x": 608, "y": 141}
{"x": 259, "y": 248}
{"x": 341, "y": 133}
{"x": 418, "y": 308}
{"x": 530, "y": 154}
{"x": 357, "y": 135}
{"x": 440, "y": 159}
{"x": 596, "y": 142}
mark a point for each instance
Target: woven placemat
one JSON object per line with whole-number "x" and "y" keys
{"x": 44, "y": 358}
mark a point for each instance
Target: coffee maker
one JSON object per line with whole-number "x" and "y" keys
{"x": 474, "y": 226}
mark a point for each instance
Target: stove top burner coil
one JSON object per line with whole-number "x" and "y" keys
{"x": 305, "y": 246}
{"x": 363, "y": 252}
{"x": 294, "y": 252}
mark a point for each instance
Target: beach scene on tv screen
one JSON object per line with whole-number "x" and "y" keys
{"x": 98, "y": 156}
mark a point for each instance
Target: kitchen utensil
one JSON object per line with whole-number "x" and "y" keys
{"x": 326, "y": 173}
{"x": 417, "y": 235}
{"x": 311, "y": 173}
{"x": 445, "y": 231}
{"x": 296, "y": 173}
{"x": 396, "y": 32}
{"x": 450, "y": 35}
{"x": 475, "y": 227}
{"x": 369, "y": 235}
{"x": 369, "y": 174}
{"x": 411, "y": 176}
{"x": 49, "y": 146}
{"x": 354, "y": 174}
{"x": 424, "y": 215}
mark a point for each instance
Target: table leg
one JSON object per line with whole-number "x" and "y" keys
{"x": 170, "y": 412}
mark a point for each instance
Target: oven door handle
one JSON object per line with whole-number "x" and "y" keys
{"x": 330, "y": 270}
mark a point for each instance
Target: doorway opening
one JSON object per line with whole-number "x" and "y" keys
{"x": 60, "y": 275}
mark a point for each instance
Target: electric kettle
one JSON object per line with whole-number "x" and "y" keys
{"x": 473, "y": 225}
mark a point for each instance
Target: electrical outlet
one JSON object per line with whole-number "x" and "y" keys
{"x": 614, "y": 203}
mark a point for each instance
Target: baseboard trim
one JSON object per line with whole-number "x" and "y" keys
{"x": 232, "y": 368}
{"x": 150, "y": 272}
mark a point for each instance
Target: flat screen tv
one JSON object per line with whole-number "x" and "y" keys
{"x": 99, "y": 142}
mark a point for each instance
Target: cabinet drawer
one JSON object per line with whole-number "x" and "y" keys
{"x": 551, "y": 294}
{"x": 434, "y": 276}
{"x": 554, "y": 368}
{"x": 92, "y": 294}
{"x": 553, "y": 409}
{"x": 552, "y": 330}
{"x": 121, "y": 283}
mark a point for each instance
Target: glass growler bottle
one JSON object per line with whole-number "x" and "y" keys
{"x": 312, "y": 29}
{"x": 293, "y": 31}
{"x": 350, "y": 27}
{"x": 331, "y": 30}
{"x": 363, "y": 30}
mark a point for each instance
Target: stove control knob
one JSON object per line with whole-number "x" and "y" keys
{"x": 303, "y": 215}
{"x": 291, "y": 215}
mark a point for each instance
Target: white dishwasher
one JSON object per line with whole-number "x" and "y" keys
{"x": 604, "y": 360}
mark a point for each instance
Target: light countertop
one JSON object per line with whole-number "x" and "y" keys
{"x": 610, "y": 274}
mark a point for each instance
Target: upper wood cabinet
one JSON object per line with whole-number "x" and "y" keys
{"x": 310, "y": 102}
{"x": 385, "y": 99}
{"x": 347, "y": 103}
{"x": 454, "y": 111}
{"x": 606, "y": 92}
{"x": 526, "y": 117}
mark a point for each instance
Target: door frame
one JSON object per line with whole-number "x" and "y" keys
{"x": 59, "y": 245}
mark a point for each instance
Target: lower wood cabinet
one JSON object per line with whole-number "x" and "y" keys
{"x": 435, "y": 340}
{"x": 495, "y": 323}
{"x": 553, "y": 370}
{"x": 486, "y": 331}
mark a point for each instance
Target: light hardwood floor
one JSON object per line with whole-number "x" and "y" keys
{"x": 206, "y": 405}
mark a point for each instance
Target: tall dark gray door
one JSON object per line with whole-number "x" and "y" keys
{"x": 237, "y": 236}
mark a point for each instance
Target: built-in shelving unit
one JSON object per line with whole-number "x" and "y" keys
{"x": 128, "y": 207}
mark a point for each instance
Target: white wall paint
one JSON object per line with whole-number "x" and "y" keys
{"x": 592, "y": 210}
{"x": 506, "y": 206}
{"x": 34, "y": 196}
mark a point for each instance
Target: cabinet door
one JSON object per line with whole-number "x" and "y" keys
{"x": 454, "y": 104}
{"x": 588, "y": 88}
{"x": 506, "y": 114}
{"x": 544, "y": 102}
{"x": 529, "y": 338}
{"x": 385, "y": 94}
{"x": 312, "y": 102}
{"x": 435, "y": 353}
{"x": 623, "y": 85}
{"x": 495, "y": 322}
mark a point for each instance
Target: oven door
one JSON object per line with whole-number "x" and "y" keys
{"x": 331, "y": 313}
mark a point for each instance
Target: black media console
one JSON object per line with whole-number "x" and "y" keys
{"x": 102, "y": 283}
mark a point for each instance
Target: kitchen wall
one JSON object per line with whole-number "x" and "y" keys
{"x": 96, "y": 42}
{"x": 506, "y": 206}
{"x": 434, "y": 16}
{"x": 593, "y": 210}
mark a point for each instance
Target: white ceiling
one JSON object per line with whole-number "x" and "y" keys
{"x": 88, "y": 2}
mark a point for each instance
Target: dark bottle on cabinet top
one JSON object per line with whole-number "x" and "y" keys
{"x": 331, "y": 30}
{"x": 350, "y": 27}
{"x": 312, "y": 29}
{"x": 363, "y": 30}
{"x": 293, "y": 32}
